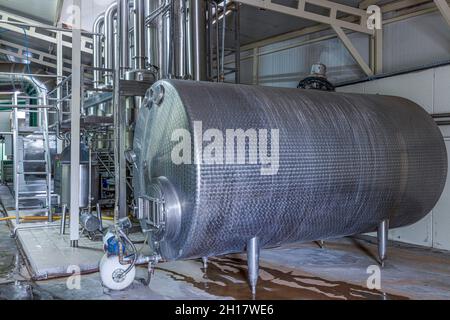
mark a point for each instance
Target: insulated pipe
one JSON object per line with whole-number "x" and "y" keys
{"x": 179, "y": 33}
{"x": 139, "y": 35}
{"x": 98, "y": 39}
{"x": 197, "y": 17}
{"x": 110, "y": 14}
{"x": 123, "y": 29}
{"x": 165, "y": 23}
{"x": 151, "y": 34}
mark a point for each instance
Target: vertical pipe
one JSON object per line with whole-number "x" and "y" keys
{"x": 253, "y": 262}
{"x": 16, "y": 157}
{"x": 152, "y": 34}
{"x": 48, "y": 160}
{"x": 237, "y": 35}
{"x": 59, "y": 92}
{"x": 124, "y": 32}
{"x": 224, "y": 33}
{"x": 75, "y": 128}
{"x": 167, "y": 53}
{"x": 179, "y": 38}
{"x": 189, "y": 56}
{"x": 110, "y": 15}
{"x": 139, "y": 35}
{"x": 160, "y": 43}
{"x": 97, "y": 39}
{"x": 90, "y": 176}
{"x": 383, "y": 233}
{"x": 197, "y": 22}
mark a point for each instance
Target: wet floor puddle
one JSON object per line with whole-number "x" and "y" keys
{"x": 226, "y": 277}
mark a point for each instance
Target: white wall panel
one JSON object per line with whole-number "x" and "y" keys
{"x": 417, "y": 87}
{"x": 442, "y": 90}
{"x": 441, "y": 215}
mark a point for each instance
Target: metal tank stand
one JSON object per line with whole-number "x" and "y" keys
{"x": 321, "y": 244}
{"x": 205, "y": 263}
{"x": 253, "y": 249}
{"x": 383, "y": 231}
{"x": 63, "y": 220}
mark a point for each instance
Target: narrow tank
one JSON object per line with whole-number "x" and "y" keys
{"x": 339, "y": 165}
{"x": 62, "y": 177}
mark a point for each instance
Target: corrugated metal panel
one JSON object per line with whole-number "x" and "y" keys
{"x": 287, "y": 67}
{"x": 415, "y": 41}
{"x": 407, "y": 44}
{"x": 247, "y": 71}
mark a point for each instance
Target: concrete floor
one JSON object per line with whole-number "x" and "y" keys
{"x": 296, "y": 272}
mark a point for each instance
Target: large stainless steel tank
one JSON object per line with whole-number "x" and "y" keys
{"x": 346, "y": 162}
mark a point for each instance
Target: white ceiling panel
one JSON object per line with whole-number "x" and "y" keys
{"x": 43, "y": 10}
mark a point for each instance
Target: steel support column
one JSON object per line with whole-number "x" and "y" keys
{"x": 59, "y": 73}
{"x": 121, "y": 61}
{"x": 75, "y": 127}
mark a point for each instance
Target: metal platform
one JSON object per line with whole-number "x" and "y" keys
{"x": 48, "y": 254}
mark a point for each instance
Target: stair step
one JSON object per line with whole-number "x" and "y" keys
{"x": 33, "y": 211}
{"x": 34, "y": 173}
{"x": 42, "y": 196}
{"x": 33, "y": 161}
{"x": 32, "y": 208}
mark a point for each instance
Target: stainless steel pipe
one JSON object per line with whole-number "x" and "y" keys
{"x": 98, "y": 48}
{"x": 140, "y": 57}
{"x": 151, "y": 33}
{"x": 110, "y": 25}
{"x": 179, "y": 41}
{"x": 197, "y": 21}
{"x": 124, "y": 30}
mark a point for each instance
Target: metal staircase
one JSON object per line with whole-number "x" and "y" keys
{"x": 32, "y": 189}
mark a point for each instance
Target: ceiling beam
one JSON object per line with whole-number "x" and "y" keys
{"x": 330, "y": 18}
{"x": 352, "y": 50}
{"x": 366, "y": 3}
{"x": 40, "y": 58}
{"x": 16, "y": 24}
{"x": 444, "y": 9}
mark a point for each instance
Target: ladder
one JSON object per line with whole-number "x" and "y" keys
{"x": 23, "y": 191}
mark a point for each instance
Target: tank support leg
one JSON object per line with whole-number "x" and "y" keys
{"x": 205, "y": 263}
{"x": 62, "y": 228}
{"x": 253, "y": 262}
{"x": 383, "y": 230}
{"x": 100, "y": 218}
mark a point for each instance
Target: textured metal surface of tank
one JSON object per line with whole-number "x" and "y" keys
{"x": 346, "y": 163}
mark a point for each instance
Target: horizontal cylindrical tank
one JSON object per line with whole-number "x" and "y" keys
{"x": 339, "y": 165}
